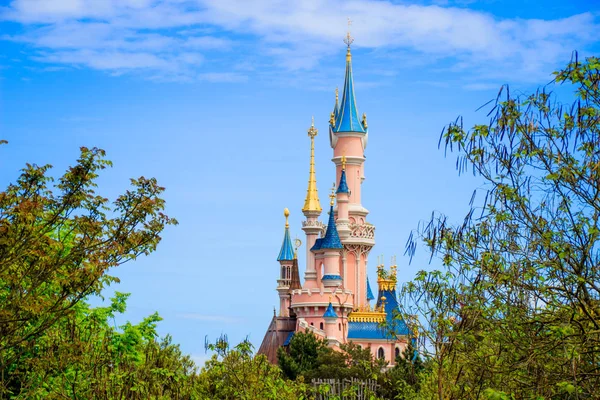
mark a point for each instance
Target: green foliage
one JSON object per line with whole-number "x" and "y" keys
{"x": 56, "y": 244}
{"x": 309, "y": 357}
{"x": 238, "y": 374}
{"x": 82, "y": 356}
{"x": 403, "y": 380}
{"x": 515, "y": 312}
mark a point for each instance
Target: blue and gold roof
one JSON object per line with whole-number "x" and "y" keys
{"x": 346, "y": 118}
{"x": 343, "y": 186}
{"x": 384, "y": 322}
{"x": 287, "y": 250}
{"x": 330, "y": 312}
{"x": 331, "y": 240}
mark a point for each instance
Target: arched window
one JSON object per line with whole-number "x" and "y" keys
{"x": 397, "y": 352}
{"x": 380, "y": 353}
{"x": 321, "y": 326}
{"x": 340, "y": 326}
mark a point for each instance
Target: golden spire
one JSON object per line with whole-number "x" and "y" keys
{"x": 312, "y": 196}
{"x": 343, "y": 162}
{"x": 286, "y": 214}
{"x": 337, "y": 96}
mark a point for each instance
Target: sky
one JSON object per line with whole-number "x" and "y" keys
{"x": 214, "y": 99}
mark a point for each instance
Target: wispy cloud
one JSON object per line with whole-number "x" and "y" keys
{"x": 201, "y": 359}
{"x": 212, "y": 318}
{"x": 181, "y": 39}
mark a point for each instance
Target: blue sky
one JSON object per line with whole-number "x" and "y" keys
{"x": 213, "y": 98}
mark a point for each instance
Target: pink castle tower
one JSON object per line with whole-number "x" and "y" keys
{"x": 334, "y": 301}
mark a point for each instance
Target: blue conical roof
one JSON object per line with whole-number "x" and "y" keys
{"x": 330, "y": 312}
{"x": 331, "y": 240}
{"x": 369, "y": 291}
{"x": 343, "y": 186}
{"x": 347, "y": 119}
{"x": 287, "y": 250}
{"x": 392, "y": 311}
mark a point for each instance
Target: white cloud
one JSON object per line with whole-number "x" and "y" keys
{"x": 160, "y": 35}
{"x": 212, "y": 318}
{"x": 201, "y": 359}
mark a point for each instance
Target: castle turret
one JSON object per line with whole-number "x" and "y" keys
{"x": 328, "y": 249}
{"x": 331, "y": 322}
{"x": 312, "y": 210}
{"x": 343, "y": 194}
{"x": 286, "y": 261}
{"x": 348, "y": 134}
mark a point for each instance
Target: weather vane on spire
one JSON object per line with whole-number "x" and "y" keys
{"x": 349, "y": 39}
{"x": 312, "y": 131}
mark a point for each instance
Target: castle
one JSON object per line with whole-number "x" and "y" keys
{"x": 335, "y": 300}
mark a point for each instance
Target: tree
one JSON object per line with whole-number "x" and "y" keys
{"x": 516, "y": 310}
{"x": 57, "y": 243}
{"x": 83, "y": 356}
{"x": 311, "y": 357}
{"x": 238, "y": 374}
{"x": 403, "y": 380}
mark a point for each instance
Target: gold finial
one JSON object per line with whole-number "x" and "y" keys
{"x": 286, "y": 214}
{"x": 364, "y": 121}
{"x": 337, "y": 96}
{"x": 332, "y": 119}
{"x": 332, "y": 195}
{"x": 343, "y": 162}
{"x": 311, "y": 203}
{"x": 330, "y": 298}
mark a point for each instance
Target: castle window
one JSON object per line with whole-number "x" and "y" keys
{"x": 380, "y": 353}
{"x": 312, "y": 324}
{"x": 397, "y": 352}
{"x": 340, "y": 326}
{"x": 321, "y": 326}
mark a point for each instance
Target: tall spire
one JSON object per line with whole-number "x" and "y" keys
{"x": 287, "y": 250}
{"x": 312, "y": 196}
{"x": 347, "y": 119}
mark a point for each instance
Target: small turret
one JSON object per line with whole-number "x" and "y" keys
{"x": 286, "y": 261}
{"x": 330, "y": 246}
{"x": 287, "y": 250}
{"x": 331, "y": 319}
{"x": 343, "y": 198}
